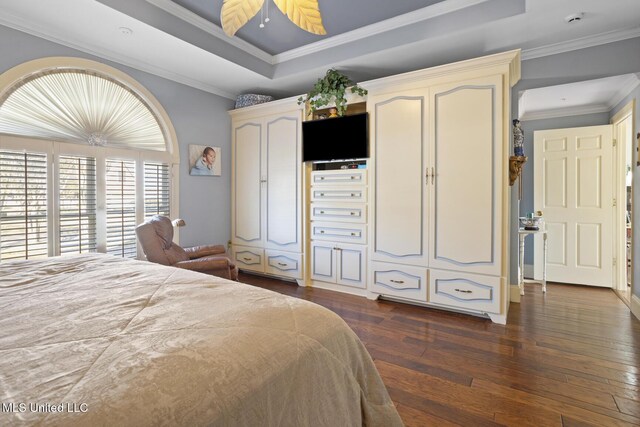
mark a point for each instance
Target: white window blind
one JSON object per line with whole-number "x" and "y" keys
{"x": 77, "y": 224}
{"x": 157, "y": 200}
{"x": 121, "y": 207}
{"x": 23, "y": 205}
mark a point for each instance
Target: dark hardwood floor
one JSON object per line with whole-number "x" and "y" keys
{"x": 567, "y": 358}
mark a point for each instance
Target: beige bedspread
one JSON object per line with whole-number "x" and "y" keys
{"x": 120, "y": 342}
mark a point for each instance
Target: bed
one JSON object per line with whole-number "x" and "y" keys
{"x": 99, "y": 340}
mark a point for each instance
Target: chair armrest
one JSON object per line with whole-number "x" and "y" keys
{"x": 204, "y": 250}
{"x": 204, "y": 264}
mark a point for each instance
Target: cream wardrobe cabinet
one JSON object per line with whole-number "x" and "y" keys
{"x": 266, "y": 221}
{"x": 439, "y": 192}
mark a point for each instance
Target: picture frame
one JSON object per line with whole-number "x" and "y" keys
{"x": 205, "y": 160}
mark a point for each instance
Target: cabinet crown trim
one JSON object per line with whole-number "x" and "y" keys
{"x": 510, "y": 58}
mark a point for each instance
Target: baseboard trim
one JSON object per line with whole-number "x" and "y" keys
{"x": 528, "y": 271}
{"x": 514, "y": 293}
{"x": 635, "y": 306}
{"x": 338, "y": 288}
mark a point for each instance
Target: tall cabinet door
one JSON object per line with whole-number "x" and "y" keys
{"x": 467, "y": 148}
{"x": 246, "y": 192}
{"x": 400, "y": 195}
{"x": 283, "y": 182}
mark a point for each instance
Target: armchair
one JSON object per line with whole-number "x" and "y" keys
{"x": 156, "y": 238}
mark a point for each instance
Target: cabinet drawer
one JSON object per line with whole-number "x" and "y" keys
{"x": 399, "y": 281}
{"x": 466, "y": 291}
{"x": 338, "y": 232}
{"x": 349, "y": 176}
{"x": 343, "y": 212}
{"x": 339, "y": 194}
{"x": 248, "y": 258}
{"x": 286, "y": 264}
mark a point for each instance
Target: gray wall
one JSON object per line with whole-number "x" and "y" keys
{"x": 198, "y": 117}
{"x": 584, "y": 64}
{"x": 529, "y": 126}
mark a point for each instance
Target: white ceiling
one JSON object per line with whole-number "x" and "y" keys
{"x": 173, "y": 42}
{"x": 588, "y": 97}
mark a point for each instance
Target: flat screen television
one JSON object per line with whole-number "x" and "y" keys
{"x": 338, "y": 138}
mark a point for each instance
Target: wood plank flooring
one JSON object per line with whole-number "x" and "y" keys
{"x": 567, "y": 358}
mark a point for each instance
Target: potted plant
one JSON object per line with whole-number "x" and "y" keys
{"x": 331, "y": 89}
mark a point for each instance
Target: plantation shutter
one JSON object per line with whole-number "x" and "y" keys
{"x": 156, "y": 189}
{"x": 77, "y": 225}
{"x": 23, "y": 205}
{"x": 121, "y": 208}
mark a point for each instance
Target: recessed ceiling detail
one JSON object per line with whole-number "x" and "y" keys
{"x": 81, "y": 107}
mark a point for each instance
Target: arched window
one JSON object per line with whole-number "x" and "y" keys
{"x": 86, "y": 153}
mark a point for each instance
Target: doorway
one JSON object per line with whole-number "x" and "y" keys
{"x": 622, "y": 123}
{"x": 574, "y": 187}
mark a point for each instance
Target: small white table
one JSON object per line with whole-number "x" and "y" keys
{"x": 522, "y": 233}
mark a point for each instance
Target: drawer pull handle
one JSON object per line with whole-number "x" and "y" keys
{"x": 352, "y": 213}
{"x": 353, "y": 177}
{"x": 282, "y": 264}
{"x": 353, "y": 234}
{"x": 321, "y": 212}
{"x": 353, "y": 194}
{"x": 397, "y": 281}
{"x": 246, "y": 259}
{"x": 322, "y": 178}
{"x": 463, "y": 291}
{"x": 321, "y": 231}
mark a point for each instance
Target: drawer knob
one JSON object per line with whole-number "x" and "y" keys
{"x": 321, "y": 212}
{"x": 352, "y": 213}
{"x": 322, "y": 194}
{"x": 353, "y": 194}
{"x": 397, "y": 281}
{"x": 322, "y": 178}
{"x": 464, "y": 291}
{"x": 321, "y": 231}
{"x": 353, "y": 177}
{"x": 353, "y": 234}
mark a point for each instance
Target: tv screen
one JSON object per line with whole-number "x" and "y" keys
{"x": 338, "y": 138}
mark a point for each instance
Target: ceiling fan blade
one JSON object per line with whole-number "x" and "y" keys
{"x": 304, "y": 13}
{"x": 236, "y": 13}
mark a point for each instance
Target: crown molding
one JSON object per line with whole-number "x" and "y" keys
{"x": 565, "y": 112}
{"x": 629, "y": 85}
{"x": 419, "y": 15}
{"x": 29, "y": 28}
{"x": 581, "y": 43}
{"x": 429, "y": 12}
{"x": 199, "y": 22}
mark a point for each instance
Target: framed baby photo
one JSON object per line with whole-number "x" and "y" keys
{"x": 205, "y": 160}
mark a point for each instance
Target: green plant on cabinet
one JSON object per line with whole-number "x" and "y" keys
{"x": 331, "y": 89}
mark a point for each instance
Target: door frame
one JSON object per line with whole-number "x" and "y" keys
{"x": 619, "y": 236}
{"x": 538, "y": 242}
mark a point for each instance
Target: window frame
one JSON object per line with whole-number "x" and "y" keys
{"x": 54, "y": 149}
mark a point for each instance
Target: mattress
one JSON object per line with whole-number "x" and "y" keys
{"x": 99, "y": 340}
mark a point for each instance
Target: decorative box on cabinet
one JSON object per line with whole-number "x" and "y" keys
{"x": 267, "y": 187}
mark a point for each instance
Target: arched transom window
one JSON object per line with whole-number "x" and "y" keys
{"x": 86, "y": 153}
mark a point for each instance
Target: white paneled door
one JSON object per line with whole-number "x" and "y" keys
{"x": 573, "y": 186}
